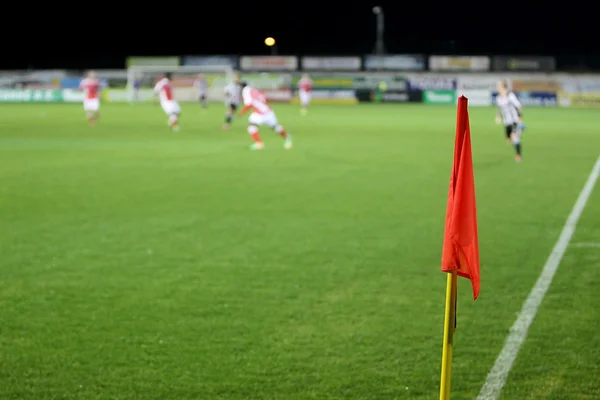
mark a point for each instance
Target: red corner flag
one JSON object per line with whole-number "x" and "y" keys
{"x": 461, "y": 246}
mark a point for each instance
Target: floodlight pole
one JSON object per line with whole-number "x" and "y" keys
{"x": 379, "y": 45}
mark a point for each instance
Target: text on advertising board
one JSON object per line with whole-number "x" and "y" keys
{"x": 395, "y": 62}
{"x": 461, "y": 63}
{"x": 591, "y": 100}
{"x": 331, "y": 63}
{"x": 437, "y": 82}
{"x": 269, "y": 63}
{"x": 535, "y": 85}
{"x": 439, "y": 96}
{"x": 373, "y": 82}
{"x": 477, "y": 82}
{"x": 542, "y": 64}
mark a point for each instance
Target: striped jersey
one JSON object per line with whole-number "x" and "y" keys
{"x": 202, "y": 86}
{"x": 508, "y": 107}
{"x": 232, "y": 93}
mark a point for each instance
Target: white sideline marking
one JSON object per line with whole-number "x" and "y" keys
{"x": 518, "y": 332}
{"x": 586, "y": 245}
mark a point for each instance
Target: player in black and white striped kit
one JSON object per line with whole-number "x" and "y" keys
{"x": 233, "y": 95}
{"x": 509, "y": 112}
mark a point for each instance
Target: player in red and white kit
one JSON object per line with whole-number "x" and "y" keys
{"x": 91, "y": 97}
{"x": 262, "y": 114}
{"x": 164, "y": 89}
{"x": 304, "y": 88}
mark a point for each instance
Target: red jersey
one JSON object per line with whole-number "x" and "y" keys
{"x": 91, "y": 88}
{"x": 305, "y": 85}
{"x": 165, "y": 89}
{"x": 255, "y": 100}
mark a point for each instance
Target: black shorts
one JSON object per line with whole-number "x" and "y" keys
{"x": 202, "y": 97}
{"x": 233, "y": 106}
{"x": 510, "y": 129}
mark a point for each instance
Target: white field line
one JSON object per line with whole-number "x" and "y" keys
{"x": 518, "y": 332}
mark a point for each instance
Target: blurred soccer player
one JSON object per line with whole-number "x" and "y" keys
{"x": 262, "y": 115}
{"x": 91, "y": 99}
{"x": 137, "y": 83}
{"x": 509, "y": 112}
{"x": 164, "y": 89}
{"x": 232, "y": 100}
{"x": 202, "y": 86}
{"x": 305, "y": 85}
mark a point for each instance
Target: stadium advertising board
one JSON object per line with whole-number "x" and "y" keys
{"x": 524, "y": 64}
{"x": 331, "y": 63}
{"x": 535, "y": 85}
{"x": 321, "y": 96}
{"x": 373, "y": 82}
{"x": 329, "y": 82}
{"x": 267, "y": 81}
{"x": 476, "y": 82}
{"x": 459, "y": 63}
{"x": 393, "y": 97}
{"x": 158, "y": 61}
{"x": 398, "y": 62}
{"x": 581, "y": 100}
{"x": 269, "y": 63}
{"x": 477, "y": 97}
{"x": 439, "y": 96}
{"x": 278, "y": 95}
{"x": 31, "y": 96}
{"x": 580, "y": 85}
{"x": 432, "y": 83}
{"x": 230, "y": 61}
{"x": 72, "y": 96}
{"x": 534, "y": 99}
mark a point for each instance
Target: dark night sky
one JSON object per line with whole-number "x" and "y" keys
{"x": 302, "y": 28}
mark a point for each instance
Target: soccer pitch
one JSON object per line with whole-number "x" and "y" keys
{"x": 137, "y": 263}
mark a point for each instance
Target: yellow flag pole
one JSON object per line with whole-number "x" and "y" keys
{"x": 449, "y": 327}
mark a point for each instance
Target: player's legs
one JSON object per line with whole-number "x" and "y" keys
{"x": 172, "y": 109}
{"x": 203, "y": 101}
{"x": 271, "y": 120}
{"x": 515, "y": 138}
{"x": 254, "y": 121}
{"x": 229, "y": 115}
{"x": 92, "y": 110}
{"x": 174, "y": 121}
{"x": 304, "y": 101}
{"x": 508, "y": 129}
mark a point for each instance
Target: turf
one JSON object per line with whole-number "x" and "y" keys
{"x": 136, "y": 263}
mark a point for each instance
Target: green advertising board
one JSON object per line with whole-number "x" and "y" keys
{"x": 439, "y": 97}
{"x": 329, "y": 82}
{"x": 31, "y": 96}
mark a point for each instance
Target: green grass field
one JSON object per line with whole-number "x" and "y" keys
{"x": 137, "y": 263}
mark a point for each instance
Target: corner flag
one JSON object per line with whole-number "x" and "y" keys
{"x": 460, "y": 255}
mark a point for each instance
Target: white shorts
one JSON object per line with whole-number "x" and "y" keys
{"x": 170, "y": 107}
{"x": 91, "y": 104}
{"x": 304, "y": 97}
{"x": 268, "y": 119}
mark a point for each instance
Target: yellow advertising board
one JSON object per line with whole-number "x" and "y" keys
{"x": 581, "y": 100}
{"x": 535, "y": 85}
